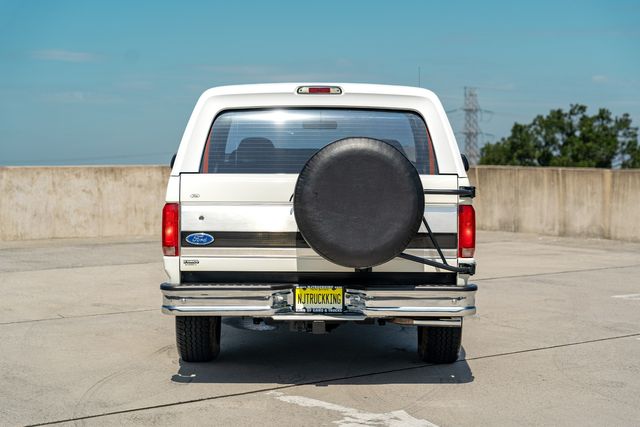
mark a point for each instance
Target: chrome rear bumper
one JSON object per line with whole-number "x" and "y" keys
{"x": 276, "y": 302}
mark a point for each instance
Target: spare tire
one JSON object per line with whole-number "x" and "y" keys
{"x": 358, "y": 202}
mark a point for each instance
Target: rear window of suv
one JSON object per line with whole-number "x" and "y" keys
{"x": 282, "y": 140}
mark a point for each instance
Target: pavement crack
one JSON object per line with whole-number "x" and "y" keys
{"x": 556, "y": 272}
{"x": 76, "y": 267}
{"x": 551, "y": 347}
{"x": 79, "y": 316}
{"x": 290, "y": 386}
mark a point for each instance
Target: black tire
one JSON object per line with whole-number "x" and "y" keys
{"x": 198, "y": 338}
{"x": 437, "y": 344}
{"x": 358, "y": 202}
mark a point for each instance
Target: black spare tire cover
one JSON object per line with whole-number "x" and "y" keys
{"x": 358, "y": 202}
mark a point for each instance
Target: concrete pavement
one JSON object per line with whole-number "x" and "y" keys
{"x": 556, "y": 341}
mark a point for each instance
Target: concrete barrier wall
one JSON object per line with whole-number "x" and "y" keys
{"x": 76, "y": 201}
{"x": 117, "y": 201}
{"x": 579, "y": 202}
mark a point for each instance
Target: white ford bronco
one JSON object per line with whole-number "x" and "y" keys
{"x": 316, "y": 205}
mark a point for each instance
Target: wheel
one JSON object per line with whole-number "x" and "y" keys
{"x": 438, "y": 344}
{"x": 198, "y": 338}
{"x": 358, "y": 202}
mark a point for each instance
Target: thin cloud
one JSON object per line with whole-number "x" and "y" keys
{"x": 82, "y": 97}
{"x": 243, "y": 70}
{"x": 266, "y": 73}
{"x": 135, "y": 85}
{"x": 62, "y": 55}
{"x": 506, "y": 87}
{"x": 599, "y": 78}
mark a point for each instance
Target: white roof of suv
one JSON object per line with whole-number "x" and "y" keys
{"x": 351, "y": 95}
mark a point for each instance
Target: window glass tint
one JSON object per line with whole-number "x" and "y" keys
{"x": 282, "y": 140}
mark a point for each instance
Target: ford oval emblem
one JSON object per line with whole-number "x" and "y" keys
{"x": 200, "y": 239}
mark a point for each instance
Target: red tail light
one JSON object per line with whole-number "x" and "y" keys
{"x": 330, "y": 90}
{"x": 319, "y": 90}
{"x": 466, "y": 231}
{"x": 171, "y": 229}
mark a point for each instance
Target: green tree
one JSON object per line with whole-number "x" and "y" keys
{"x": 568, "y": 138}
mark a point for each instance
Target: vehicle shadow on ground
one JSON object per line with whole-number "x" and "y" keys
{"x": 351, "y": 354}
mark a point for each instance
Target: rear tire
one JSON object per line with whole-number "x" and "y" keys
{"x": 198, "y": 338}
{"x": 437, "y": 344}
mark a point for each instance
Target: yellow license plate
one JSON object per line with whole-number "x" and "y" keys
{"x": 319, "y": 299}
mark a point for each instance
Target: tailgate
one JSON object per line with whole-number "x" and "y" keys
{"x": 250, "y": 217}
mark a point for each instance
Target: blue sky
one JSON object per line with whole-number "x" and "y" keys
{"x": 115, "y": 81}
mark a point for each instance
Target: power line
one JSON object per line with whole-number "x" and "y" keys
{"x": 471, "y": 109}
{"x": 472, "y": 130}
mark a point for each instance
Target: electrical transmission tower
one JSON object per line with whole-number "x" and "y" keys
{"x": 471, "y": 130}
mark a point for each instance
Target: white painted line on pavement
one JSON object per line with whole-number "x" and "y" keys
{"x": 632, "y": 297}
{"x": 354, "y": 417}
